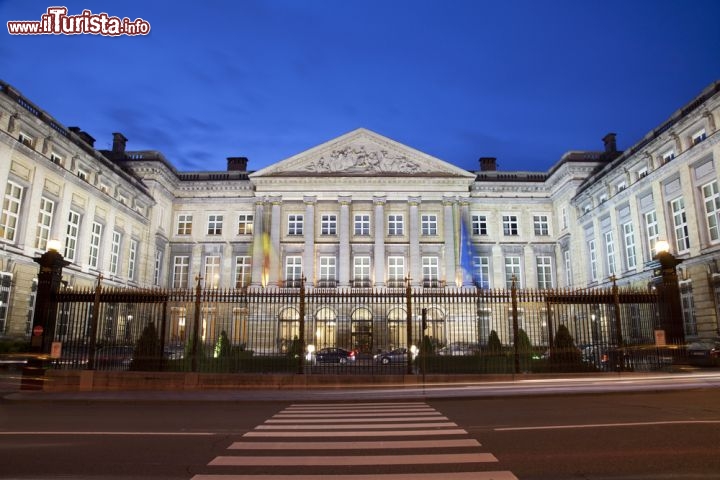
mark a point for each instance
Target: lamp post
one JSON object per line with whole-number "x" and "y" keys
{"x": 671, "y": 318}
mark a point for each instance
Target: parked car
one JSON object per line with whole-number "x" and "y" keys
{"x": 460, "y": 348}
{"x": 114, "y": 357}
{"x": 704, "y": 354}
{"x": 334, "y": 355}
{"x": 399, "y": 355}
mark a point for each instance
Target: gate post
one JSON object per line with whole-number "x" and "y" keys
{"x": 196, "y": 328}
{"x": 301, "y": 339}
{"x": 616, "y": 306}
{"x": 513, "y": 296}
{"x": 408, "y": 318}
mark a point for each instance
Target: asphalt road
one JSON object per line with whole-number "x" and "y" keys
{"x": 651, "y": 434}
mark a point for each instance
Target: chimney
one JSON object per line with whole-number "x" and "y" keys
{"x": 610, "y": 144}
{"x": 84, "y": 136}
{"x": 237, "y": 164}
{"x": 488, "y": 164}
{"x": 118, "y": 148}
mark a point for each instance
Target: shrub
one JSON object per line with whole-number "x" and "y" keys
{"x": 146, "y": 356}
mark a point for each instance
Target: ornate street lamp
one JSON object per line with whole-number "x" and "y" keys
{"x": 671, "y": 318}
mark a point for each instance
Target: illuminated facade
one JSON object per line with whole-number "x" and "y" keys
{"x": 359, "y": 211}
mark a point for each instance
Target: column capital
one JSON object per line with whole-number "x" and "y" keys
{"x": 309, "y": 199}
{"x": 344, "y": 199}
{"x": 379, "y": 199}
{"x": 414, "y": 201}
{"x": 449, "y": 201}
{"x": 275, "y": 200}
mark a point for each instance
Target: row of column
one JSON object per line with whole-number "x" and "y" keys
{"x": 266, "y": 269}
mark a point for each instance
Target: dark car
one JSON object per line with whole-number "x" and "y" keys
{"x": 114, "y": 357}
{"x": 704, "y": 354}
{"x": 334, "y": 355}
{"x": 398, "y": 355}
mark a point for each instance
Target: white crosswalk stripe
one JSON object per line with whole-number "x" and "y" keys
{"x": 329, "y": 430}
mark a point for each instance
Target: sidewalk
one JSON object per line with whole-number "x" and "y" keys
{"x": 449, "y": 387}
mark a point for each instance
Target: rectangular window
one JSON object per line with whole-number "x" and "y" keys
{"x": 181, "y": 271}
{"x": 158, "y": 267}
{"x": 698, "y": 136}
{"x": 328, "y": 224}
{"x": 44, "y": 223}
{"x": 668, "y": 156}
{"x": 243, "y": 271}
{"x": 293, "y": 270}
{"x": 621, "y": 186}
{"x": 396, "y": 271}
{"x": 328, "y": 270}
{"x": 245, "y": 224}
{"x": 10, "y": 211}
{"x": 212, "y": 271}
{"x": 395, "y": 224}
{"x": 56, "y": 158}
{"x": 642, "y": 173}
{"x": 592, "y": 250}
{"x": 687, "y": 303}
{"x": 431, "y": 272}
{"x": 629, "y": 236}
{"x": 71, "y": 235}
{"x": 83, "y": 175}
{"x": 481, "y": 272}
{"x": 653, "y": 232}
{"x": 94, "y": 250}
{"x": 362, "y": 224}
{"x": 361, "y": 271}
{"x": 184, "y": 224}
{"x": 568, "y": 268}
{"x": 544, "y": 272}
{"x": 610, "y": 251}
{"x": 428, "y": 224}
{"x": 510, "y": 225}
{"x": 132, "y": 259}
{"x": 295, "y": 224}
{"x": 215, "y": 224}
{"x": 479, "y": 225}
{"x": 115, "y": 252}
{"x": 512, "y": 271}
{"x": 26, "y": 139}
{"x": 541, "y": 225}
{"x": 5, "y": 286}
{"x": 680, "y": 225}
{"x": 711, "y": 198}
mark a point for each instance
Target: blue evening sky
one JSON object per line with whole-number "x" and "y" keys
{"x": 521, "y": 80}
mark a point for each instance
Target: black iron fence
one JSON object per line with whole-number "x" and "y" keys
{"x": 358, "y": 330}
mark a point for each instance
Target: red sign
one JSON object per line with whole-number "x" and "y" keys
{"x": 37, "y": 330}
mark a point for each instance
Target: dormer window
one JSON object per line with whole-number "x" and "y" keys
{"x": 26, "y": 139}
{"x": 698, "y": 136}
{"x": 642, "y": 173}
{"x": 603, "y": 198}
{"x": 82, "y": 174}
{"x": 587, "y": 208}
{"x": 104, "y": 188}
{"x": 621, "y": 186}
{"x": 668, "y": 156}
{"x": 121, "y": 198}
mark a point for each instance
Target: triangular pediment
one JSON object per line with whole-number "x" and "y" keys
{"x": 362, "y": 153}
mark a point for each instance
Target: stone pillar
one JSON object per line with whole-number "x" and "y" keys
{"x": 379, "y": 250}
{"x": 416, "y": 276}
{"x": 344, "y": 235}
{"x": 275, "y": 234}
{"x": 466, "y": 263}
{"x": 309, "y": 232}
{"x": 449, "y": 237}
{"x": 258, "y": 257}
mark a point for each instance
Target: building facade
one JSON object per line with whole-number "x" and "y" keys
{"x": 359, "y": 211}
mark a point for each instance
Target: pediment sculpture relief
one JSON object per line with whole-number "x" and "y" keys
{"x": 356, "y": 159}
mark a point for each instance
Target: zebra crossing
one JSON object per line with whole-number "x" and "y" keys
{"x": 359, "y": 441}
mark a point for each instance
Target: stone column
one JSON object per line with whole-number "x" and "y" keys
{"x": 465, "y": 262}
{"x": 379, "y": 250}
{"x": 258, "y": 257}
{"x": 449, "y": 237}
{"x": 416, "y": 276}
{"x": 275, "y": 234}
{"x": 344, "y": 235}
{"x": 309, "y": 232}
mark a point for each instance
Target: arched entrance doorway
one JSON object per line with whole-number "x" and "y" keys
{"x": 289, "y": 328}
{"x": 361, "y": 333}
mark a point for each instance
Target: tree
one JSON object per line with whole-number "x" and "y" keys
{"x": 524, "y": 349}
{"x": 222, "y": 347}
{"x": 564, "y": 351}
{"x": 147, "y": 355}
{"x": 494, "y": 344}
